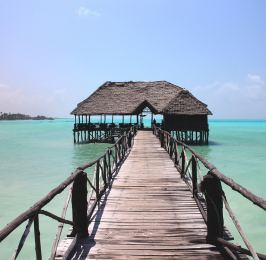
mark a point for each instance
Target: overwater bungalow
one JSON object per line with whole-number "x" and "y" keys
{"x": 182, "y": 114}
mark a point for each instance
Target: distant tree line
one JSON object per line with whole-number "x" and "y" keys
{"x": 18, "y": 116}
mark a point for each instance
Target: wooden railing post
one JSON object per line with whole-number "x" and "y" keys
{"x": 171, "y": 147}
{"x": 109, "y": 165}
{"x": 194, "y": 175}
{"x": 116, "y": 156}
{"x": 129, "y": 139}
{"x": 37, "y": 238}
{"x": 215, "y": 222}
{"x": 79, "y": 205}
{"x": 97, "y": 179}
{"x": 175, "y": 148}
{"x": 183, "y": 162}
{"x": 162, "y": 139}
{"x": 104, "y": 169}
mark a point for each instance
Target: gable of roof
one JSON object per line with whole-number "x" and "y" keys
{"x": 184, "y": 103}
{"x": 119, "y": 98}
{"x": 130, "y": 98}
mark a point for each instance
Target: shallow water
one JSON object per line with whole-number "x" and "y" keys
{"x": 36, "y": 156}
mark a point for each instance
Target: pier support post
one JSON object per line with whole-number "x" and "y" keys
{"x": 215, "y": 222}
{"x": 79, "y": 204}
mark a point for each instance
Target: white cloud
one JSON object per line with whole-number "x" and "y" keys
{"x": 254, "y": 90}
{"x": 255, "y": 79}
{"x": 82, "y": 11}
{"x": 16, "y": 101}
{"x": 3, "y": 86}
{"x": 60, "y": 92}
{"x": 210, "y": 86}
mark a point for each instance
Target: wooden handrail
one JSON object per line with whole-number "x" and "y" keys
{"x": 228, "y": 181}
{"x": 215, "y": 199}
{"x": 36, "y": 208}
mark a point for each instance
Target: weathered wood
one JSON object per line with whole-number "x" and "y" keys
{"x": 79, "y": 205}
{"x": 162, "y": 139}
{"x": 146, "y": 212}
{"x": 37, "y": 206}
{"x": 97, "y": 179}
{"x": 238, "y": 248}
{"x": 194, "y": 175}
{"x": 239, "y": 229}
{"x": 60, "y": 227}
{"x": 71, "y": 246}
{"x": 214, "y": 201}
{"x": 183, "y": 163}
{"x": 37, "y": 238}
{"x": 240, "y": 189}
{"x": 22, "y": 240}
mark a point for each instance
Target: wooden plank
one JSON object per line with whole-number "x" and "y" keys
{"x": 147, "y": 212}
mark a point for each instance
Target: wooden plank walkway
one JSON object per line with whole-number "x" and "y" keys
{"x": 147, "y": 213}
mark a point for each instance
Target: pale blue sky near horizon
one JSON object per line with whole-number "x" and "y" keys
{"x": 54, "y": 54}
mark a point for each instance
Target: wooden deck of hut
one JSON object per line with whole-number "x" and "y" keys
{"x": 147, "y": 212}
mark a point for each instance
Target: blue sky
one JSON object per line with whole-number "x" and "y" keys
{"x": 54, "y": 54}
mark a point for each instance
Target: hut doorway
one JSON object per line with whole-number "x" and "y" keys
{"x": 146, "y": 118}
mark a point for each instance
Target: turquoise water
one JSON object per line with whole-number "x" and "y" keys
{"x": 36, "y": 156}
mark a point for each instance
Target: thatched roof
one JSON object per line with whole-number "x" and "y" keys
{"x": 130, "y": 98}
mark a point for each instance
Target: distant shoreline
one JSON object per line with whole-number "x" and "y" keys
{"x": 12, "y": 117}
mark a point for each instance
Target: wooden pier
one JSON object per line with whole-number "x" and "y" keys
{"x": 147, "y": 212}
{"x": 144, "y": 202}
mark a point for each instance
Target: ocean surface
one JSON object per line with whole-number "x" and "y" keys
{"x": 36, "y": 156}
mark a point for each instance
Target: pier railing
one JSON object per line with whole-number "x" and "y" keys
{"x": 210, "y": 187}
{"x": 82, "y": 206}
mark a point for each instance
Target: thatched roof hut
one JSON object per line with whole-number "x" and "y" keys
{"x": 130, "y": 98}
{"x": 182, "y": 113}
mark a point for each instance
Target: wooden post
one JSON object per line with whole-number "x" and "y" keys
{"x": 116, "y": 155}
{"x": 119, "y": 150}
{"x": 171, "y": 147}
{"x": 167, "y": 143}
{"x": 215, "y": 221}
{"x": 104, "y": 169}
{"x": 129, "y": 139}
{"x": 97, "y": 179}
{"x": 176, "y": 148}
{"x": 79, "y": 205}
{"x": 183, "y": 162}
{"x": 37, "y": 238}
{"x": 112, "y": 138}
{"x": 109, "y": 166}
{"x": 194, "y": 175}
{"x": 162, "y": 139}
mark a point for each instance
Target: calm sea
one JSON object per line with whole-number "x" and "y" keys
{"x": 36, "y": 156}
